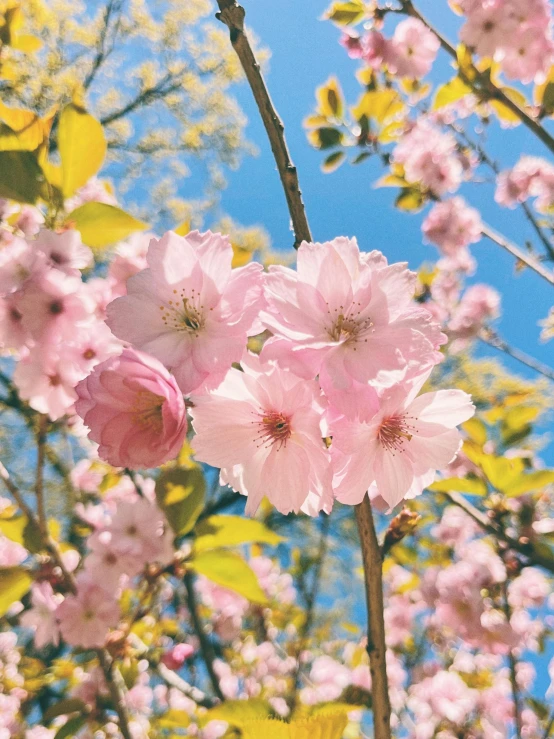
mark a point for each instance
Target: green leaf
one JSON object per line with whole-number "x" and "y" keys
{"x": 346, "y": 13}
{"x": 14, "y": 583}
{"x": 181, "y": 494}
{"x": 236, "y": 712}
{"x": 476, "y": 430}
{"x": 330, "y": 99}
{"x": 174, "y": 719}
{"x": 501, "y": 472}
{"x": 102, "y": 225}
{"x": 410, "y": 198}
{"x": 82, "y": 146}
{"x": 472, "y": 486}
{"x": 21, "y": 177}
{"x": 231, "y": 531}
{"x": 229, "y": 570}
{"x": 451, "y": 92}
{"x": 529, "y": 482}
{"x": 19, "y": 529}
{"x": 325, "y": 138}
{"x": 70, "y": 728}
{"x": 68, "y": 705}
{"x": 333, "y": 161}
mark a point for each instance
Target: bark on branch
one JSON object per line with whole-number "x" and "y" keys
{"x": 232, "y": 15}
{"x": 376, "y": 647}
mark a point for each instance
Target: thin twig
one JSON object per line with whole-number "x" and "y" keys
{"x": 549, "y": 727}
{"x": 513, "y": 668}
{"x": 176, "y": 681}
{"x": 515, "y": 251}
{"x": 232, "y": 15}
{"x": 376, "y": 646}
{"x": 39, "y": 484}
{"x": 527, "y": 549}
{"x": 490, "y": 91}
{"x": 206, "y": 648}
{"x": 488, "y": 336}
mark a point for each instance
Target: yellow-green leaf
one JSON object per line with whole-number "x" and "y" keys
{"x": 346, "y": 13}
{"x": 102, "y": 225}
{"x": 454, "y": 90}
{"x": 14, "y": 583}
{"x": 82, "y": 147}
{"x": 25, "y": 42}
{"x": 380, "y": 105}
{"x": 22, "y": 130}
{"x": 21, "y": 177}
{"x": 476, "y": 430}
{"x": 174, "y": 719}
{"x": 333, "y": 161}
{"x": 410, "y": 199}
{"x": 503, "y": 112}
{"x": 471, "y": 485}
{"x": 180, "y": 494}
{"x": 229, "y": 570}
{"x": 529, "y": 482}
{"x": 330, "y": 99}
{"x": 231, "y": 531}
{"x": 237, "y": 712}
{"x": 501, "y": 471}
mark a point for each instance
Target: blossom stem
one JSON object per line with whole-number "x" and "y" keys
{"x": 206, "y": 648}
{"x": 232, "y": 15}
{"x": 489, "y": 337}
{"x": 111, "y": 674}
{"x": 527, "y": 549}
{"x": 376, "y": 647}
{"x": 490, "y": 91}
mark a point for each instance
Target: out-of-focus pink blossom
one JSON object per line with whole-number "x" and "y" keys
{"x": 85, "y": 618}
{"x": 452, "y": 225}
{"x": 134, "y": 410}
{"x": 412, "y": 50}
{"x": 175, "y": 657}
{"x": 41, "y": 617}
{"x": 479, "y": 304}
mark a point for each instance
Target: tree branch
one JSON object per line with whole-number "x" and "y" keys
{"x": 376, "y": 646}
{"x": 527, "y": 548}
{"x": 515, "y": 251}
{"x": 206, "y": 648}
{"x": 488, "y": 336}
{"x": 513, "y": 668}
{"x": 232, "y": 15}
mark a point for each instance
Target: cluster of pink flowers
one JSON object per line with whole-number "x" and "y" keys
{"x": 430, "y": 158}
{"x": 517, "y": 35}
{"x": 531, "y": 177}
{"x": 348, "y": 354}
{"x": 409, "y": 53}
{"x": 452, "y": 225}
{"x": 48, "y": 318}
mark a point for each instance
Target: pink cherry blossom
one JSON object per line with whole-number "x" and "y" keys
{"x": 413, "y": 49}
{"x": 347, "y": 316}
{"x": 190, "y": 310}
{"x": 18, "y": 262}
{"x": 139, "y": 530}
{"x": 11, "y": 553}
{"x": 401, "y": 446}
{"x": 479, "y": 304}
{"x": 452, "y": 225}
{"x": 64, "y": 251}
{"x": 176, "y": 656}
{"x": 86, "y": 617}
{"x": 262, "y": 427}
{"x": 430, "y": 157}
{"x": 41, "y": 617}
{"x": 134, "y": 411}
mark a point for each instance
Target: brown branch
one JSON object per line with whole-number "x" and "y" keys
{"x": 533, "y": 555}
{"x": 39, "y": 484}
{"x": 515, "y": 251}
{"x": 512, "y": 661}
{"x": 206, "y": 648}
{"x": 232, "y": 15}
{"x": 376, "y": 646}
{"x": 488, "y": 336}
{"x": 489, "y": 90}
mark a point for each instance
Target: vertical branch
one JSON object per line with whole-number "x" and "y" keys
{"x": 512, "y": 662}
{"x": 376, "y": 647}
{"x": 232, "y": 15}
{"x": 206, "y": 649}
{"x": 39, "y": 482}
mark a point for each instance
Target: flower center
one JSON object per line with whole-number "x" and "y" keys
{"x": 148, "y": 411}
{"x": 273, "y": 428}
{"x": 183, "y": 313}
{"x": 394, "y": 432}
{"x": 349, "y": 326}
